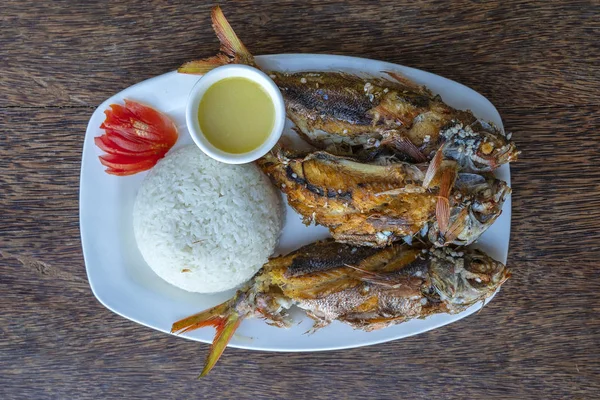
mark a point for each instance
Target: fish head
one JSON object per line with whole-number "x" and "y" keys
{"x": 464, "y": 278}
{"x": 476, "y": 202}
{"x": 478, "y": 147}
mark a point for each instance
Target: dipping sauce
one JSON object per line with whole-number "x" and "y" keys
{"x": 236, "y": 115}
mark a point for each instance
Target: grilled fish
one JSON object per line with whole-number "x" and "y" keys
{"x": 375, "y": 204}
{"x": 365, "y": 117}
{"x": 364, "y": 287}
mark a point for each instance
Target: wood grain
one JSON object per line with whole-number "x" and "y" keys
{"x": 517, "y": 53}
{"x": 538, "y": 62}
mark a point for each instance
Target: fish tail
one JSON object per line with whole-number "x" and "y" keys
{"x": 231, "y": 45}
{"x": 232, "y": 49}
{"x": 223, "y": 318}
{"x": 201, "y": 67}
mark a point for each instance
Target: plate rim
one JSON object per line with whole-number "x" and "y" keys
{"x": 507, "y": 208}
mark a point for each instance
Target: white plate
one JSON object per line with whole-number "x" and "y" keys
{"x": 122, "y": 281}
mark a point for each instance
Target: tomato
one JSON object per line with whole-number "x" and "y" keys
{"x": 136, "y": 137}
{"x": 128, "y": 163}
{"x": 156, "y": 122}
{"x": 133, "y": 147}
{"x": 111, "y": 147}
{"x": 120, "y": 172}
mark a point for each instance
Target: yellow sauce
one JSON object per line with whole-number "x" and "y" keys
{"x": 236, "y": 115}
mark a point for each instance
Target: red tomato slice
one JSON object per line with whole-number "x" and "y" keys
{"x": 133, "y": 144}
{"x": 108, "y": 146}
{"x": 120, "y": 145}
{"x": 128, "y": 163}
{"x": 156, "y": 122}
{"x": 139, "y": 121}
{"x": 120, "y": 172}
{"x": 133, "y": 129}
{"x": 136, "y": 137}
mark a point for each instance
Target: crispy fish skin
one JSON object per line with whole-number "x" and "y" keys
{"x": 347, "y": 114}
{"x": 366, "y": 288}
{"x": 339, "y": 108}
{"x": 339, "y": 112}
{"x": 374, "y": 205}
{"x": 348, "y": 197}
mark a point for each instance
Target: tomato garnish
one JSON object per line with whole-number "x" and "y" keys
{"x": 128, "y": 163}
{"x": 119, "y": 172}
{"x": 136, "y": 137}
{"x": 109, "y": 146}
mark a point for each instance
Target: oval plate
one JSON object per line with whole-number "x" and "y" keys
{"x": 123, "y": 282}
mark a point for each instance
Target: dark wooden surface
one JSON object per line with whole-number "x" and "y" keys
{"x": 538, "y": 62}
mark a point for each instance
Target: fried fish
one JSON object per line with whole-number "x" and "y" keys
{"x": 365, "y": 117}
{"x": 365, "y": 287}
{"x": 375, "y": 204}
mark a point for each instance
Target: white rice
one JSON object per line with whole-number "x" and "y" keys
{"x": 205, "y": 226}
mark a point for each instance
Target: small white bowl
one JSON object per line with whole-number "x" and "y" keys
{"x": 229, "y": 71}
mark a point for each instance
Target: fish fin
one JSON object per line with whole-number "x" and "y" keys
{"x": 404, "y": 145}
{"x": 403, "y": 190}
{"x": 508, "y": 154}
{"x": 381, "y": 282}
{"x": 205, "y": 318}
{"x": 442, "y": 210}
{"x": 225, "y": 331}
{"x": 223, "y": 318}
{"x": 319, "y": 323}
{"x": 201, "y": 67}
{"x": 232, "y": 50}
{"x": 459, "y": 225}
{"x": 231, "y": 45}
{"x": 361, "y": 270}
{"x": 404, "y": 80}
{"x": 434, "y": 166}
{"x": 376, "y": 278}
{"x": 381, "y": 322}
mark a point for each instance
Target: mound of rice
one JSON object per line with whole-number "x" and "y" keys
{"x": 205, "y": 226}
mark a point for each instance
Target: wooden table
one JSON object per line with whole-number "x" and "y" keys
{"x": 538, "y": 62}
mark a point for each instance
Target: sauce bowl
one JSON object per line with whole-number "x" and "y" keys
{"x": 231, "y": 71}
